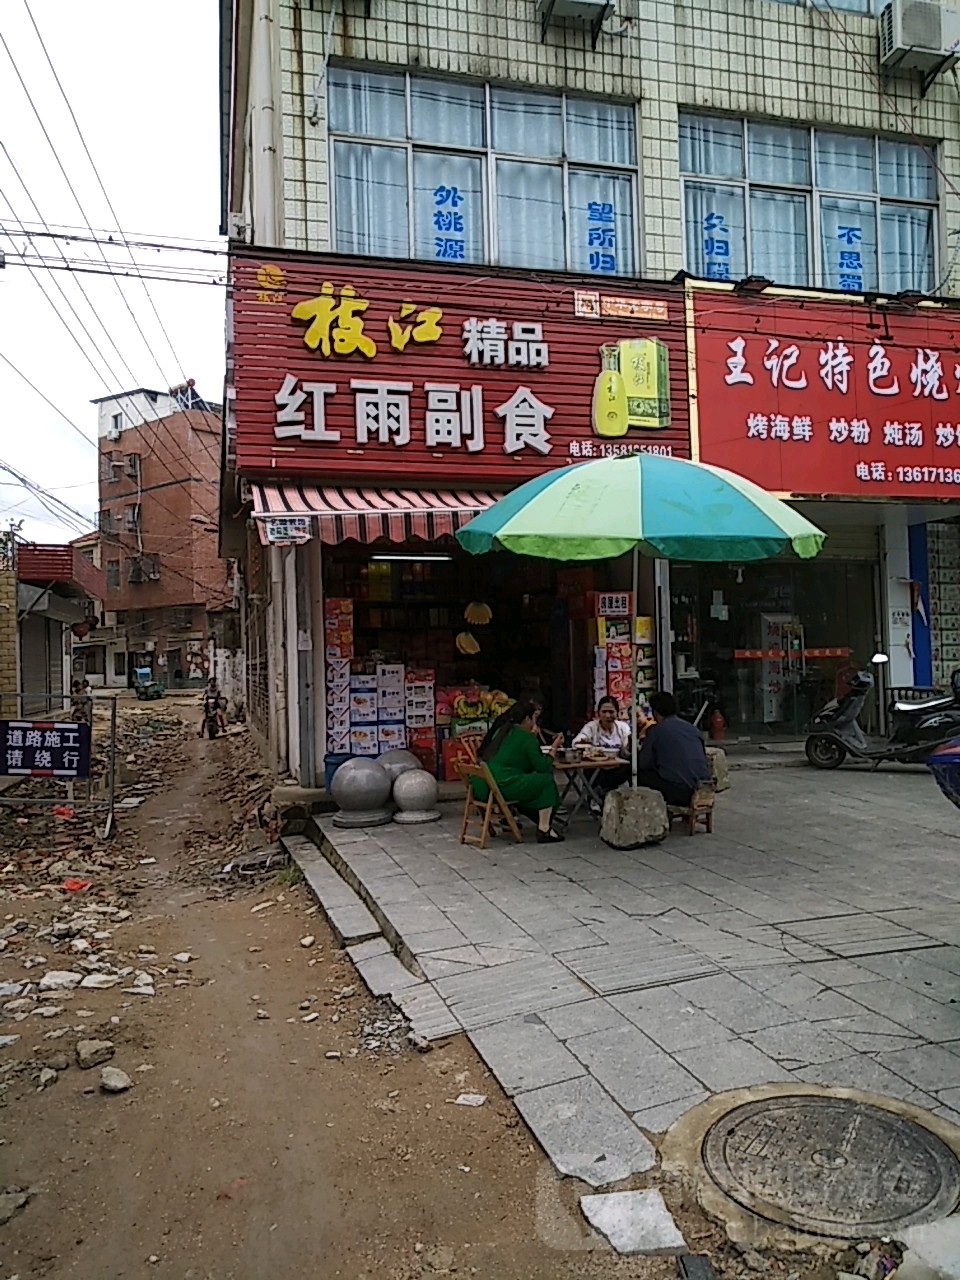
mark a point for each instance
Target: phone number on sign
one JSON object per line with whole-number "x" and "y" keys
{"x": 921, "y": 475}
{"x": 877, "y": 471}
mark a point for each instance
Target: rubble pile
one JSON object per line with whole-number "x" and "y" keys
{"x": 68, "y": 908}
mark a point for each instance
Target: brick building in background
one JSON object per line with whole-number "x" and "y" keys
{"x": 166, "y": 587}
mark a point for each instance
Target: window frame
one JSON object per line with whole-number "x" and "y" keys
{"x": 814, "y": 195}
{"x": 489, "y": 157}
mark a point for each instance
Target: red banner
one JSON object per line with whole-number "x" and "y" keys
{"x": 351, "y": 370}
{"x": 829, "y": 398}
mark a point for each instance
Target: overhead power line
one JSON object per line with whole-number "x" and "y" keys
{"x": 55, "y": 408}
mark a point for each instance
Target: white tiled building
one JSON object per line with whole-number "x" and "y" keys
{"x": 698, "y": 98}
{"x": 724, "y": 138}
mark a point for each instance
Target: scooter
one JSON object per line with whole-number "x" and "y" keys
{"x": 917, "y": 727}
{"x": 211, "y": 715}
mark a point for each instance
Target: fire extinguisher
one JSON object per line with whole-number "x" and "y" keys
{"x": 718, "y": 726}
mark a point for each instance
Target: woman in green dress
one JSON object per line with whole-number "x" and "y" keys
{"x": 523, "y": 772}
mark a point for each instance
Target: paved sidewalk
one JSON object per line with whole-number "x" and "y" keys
{"x": 814, "y": 937}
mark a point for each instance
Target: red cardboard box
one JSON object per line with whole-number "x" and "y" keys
{"x": 454, "y": 753}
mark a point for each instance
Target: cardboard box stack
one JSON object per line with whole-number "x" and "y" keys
{"x": 338, "y": 650}
{"x": 420, "y": 715}
{"x": 391, "y": 727}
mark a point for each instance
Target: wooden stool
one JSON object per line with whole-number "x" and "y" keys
{"x": 699, "y": 810}
{"x": 493, "y": 814}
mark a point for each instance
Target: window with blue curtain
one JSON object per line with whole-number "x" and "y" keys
{"x": 456, "y": 172}
{"x": 808, "y": 207}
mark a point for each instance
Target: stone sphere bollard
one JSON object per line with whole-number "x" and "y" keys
{"x": 361, "y": 789}
{"x": 415, "y": 794}
{"x": 398, "y": 761}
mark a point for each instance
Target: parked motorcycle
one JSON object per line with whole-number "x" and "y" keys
{"x": 212, "y": 713}
{"x": 916, "y": 727}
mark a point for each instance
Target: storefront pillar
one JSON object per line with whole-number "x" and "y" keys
{"x": 302, "y": 566}
{"x": 921, "y": 616}
{"x": 661, "y": 587}
{"x": 292, "y": 726}
{"x": 898, "y": 635}
{"x": 277, "y": 664}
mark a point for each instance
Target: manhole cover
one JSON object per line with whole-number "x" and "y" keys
{"x": 831, "y": 1166}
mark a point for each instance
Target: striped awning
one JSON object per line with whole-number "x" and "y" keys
{"x": 400, "y": 515}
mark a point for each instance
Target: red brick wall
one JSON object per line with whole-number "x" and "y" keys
{"x": 179, "y": 477}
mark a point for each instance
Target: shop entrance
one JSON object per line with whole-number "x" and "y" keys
{"x": 770, "y": 642}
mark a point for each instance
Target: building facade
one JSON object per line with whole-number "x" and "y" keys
{"x": 758, "y": 149}
{"x": 159, "y": 465}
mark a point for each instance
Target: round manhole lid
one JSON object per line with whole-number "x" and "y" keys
{"x": 832, "y": 1166}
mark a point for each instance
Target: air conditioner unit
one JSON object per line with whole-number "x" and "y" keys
{"x": 919, "y": 35}
{"x": 113, "y": 433}
{"x": 154, "y": 573}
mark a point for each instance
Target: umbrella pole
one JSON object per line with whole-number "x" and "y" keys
{"x": 633, "y": 669}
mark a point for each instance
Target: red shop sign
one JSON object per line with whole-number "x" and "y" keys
{"x": 829, "y": 398}
{"x": 345, "y": 369}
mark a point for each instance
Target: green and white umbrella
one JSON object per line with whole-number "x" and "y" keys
{"x": 652, "y": 505}
{"x": 664, "y": 507}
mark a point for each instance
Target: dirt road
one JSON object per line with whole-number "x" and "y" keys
{"x": 242, "y": 1151}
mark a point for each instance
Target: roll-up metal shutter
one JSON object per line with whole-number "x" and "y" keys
{"x": 34, "y": 666}
{"x": 851, "y": 542}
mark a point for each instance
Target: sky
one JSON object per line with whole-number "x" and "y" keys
{"x": 142, "y": 81}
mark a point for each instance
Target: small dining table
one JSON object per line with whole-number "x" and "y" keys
{"x": 581, "y": 777}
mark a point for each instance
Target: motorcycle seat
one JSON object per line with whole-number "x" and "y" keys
{"x": 930, "y": 704}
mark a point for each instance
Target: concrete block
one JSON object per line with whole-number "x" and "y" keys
{"x": 937, "y": 1244}
{"x": 636, "y": 1222}
{"x": 585, "y": 1133}
{"x": 364, "y": 950}
{"x": 428, "y": 1015}
{"x": 524, "y": 1054}
{"x": 385, "y": 975}
{"x": 349, "y": 919}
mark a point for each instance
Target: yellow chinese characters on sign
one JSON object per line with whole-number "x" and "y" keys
{"x": 336, "y": 325}
{"x": 425, "y": 328}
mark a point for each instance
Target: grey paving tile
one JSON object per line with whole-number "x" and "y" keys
{"x": 572, "y": 939}
{"x": 837, "y": 973}
{"x": 434, "y": 940}
{"x": 870, "y": 1033}
{"x": 585, "y": 1133}
{"x": 914, "y": 970}
{"x": 583, "y": 1018}
{"x": 645, "y": 961}
{"x": 949, "y": 1097}
{"x": 828, "y": 1005}
{"x": 786, "y": 986}
{"x": 384, "y": 974}
{"x": 428, "y": 1015}
{"x": 942, "y": 924}
{"x": 659, "y": 1119}
{"x": 503, "y": 955}
{"x": 731, "y": 1064}
{"x": 857, "y": 935}
{"x": 945, "y": 957}
{"x": 398, "y": 888}
{"x": 669, "y": 1020}
{"x": 930, "y": 1067}
{"x": 799, "y": 1044}
{"x": 499, "y": 992}
{"x": 435, "y": 967}
{"x": 935, "y": 1022}
{"x": 415, "y": 917}
{"x": 736, "y": 1004}
{"x": 861, "y": 1072}
{"x": 634, "y": 1070}
{"x": 524, "y": 1054}
{"x": 947, "y": 1113}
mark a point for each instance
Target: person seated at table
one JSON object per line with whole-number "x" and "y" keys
{"x": 524, "y": 773}
{"x": 606, "y": 729}
{"x": 609, "y": 732}
{"x": 672, "y": 757}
